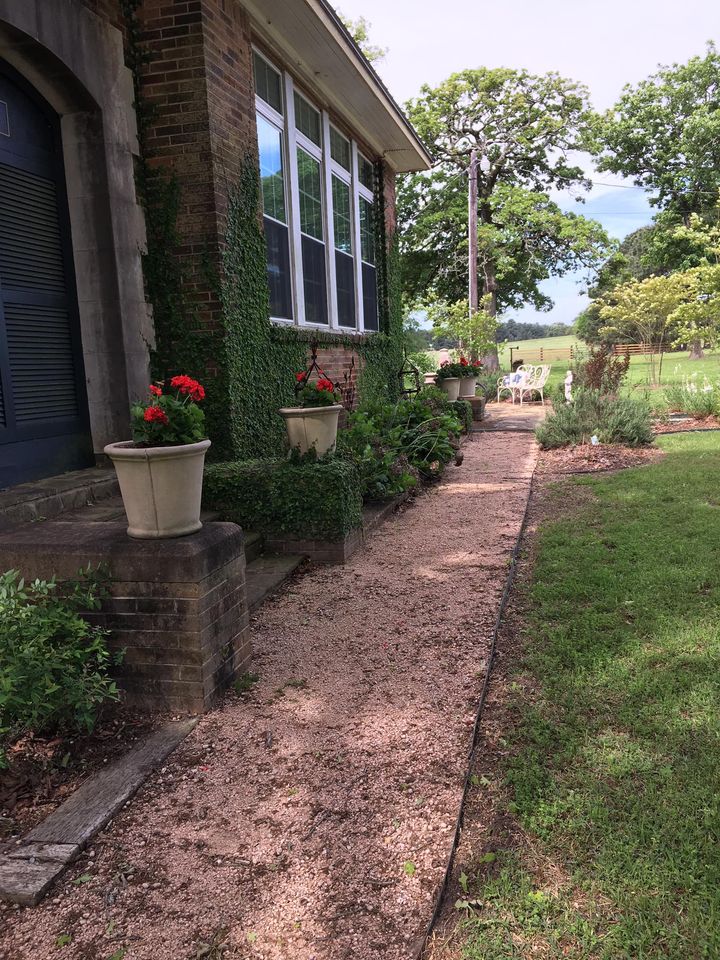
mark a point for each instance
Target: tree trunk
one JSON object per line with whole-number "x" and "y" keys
{"x": 696, "y": 350}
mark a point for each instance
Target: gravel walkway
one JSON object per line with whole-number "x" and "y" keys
{"x": 313, "y": 818}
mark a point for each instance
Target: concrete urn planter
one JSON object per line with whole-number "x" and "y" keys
{"x": 312, "y": 427}
{"x": 451, "y": 386}
{"x": 467, "y": 387}
{"x": 161, "y": 487}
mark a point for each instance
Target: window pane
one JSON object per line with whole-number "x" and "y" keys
{"x": 268, "y": 85}
{"x": 370, "y": 310}
{"x": 310, "y": 187}
{"x": 307, "y": 119}
{"x": 272, "y": 178}
{"x": 339, "y": 148}
{"x": 366, "y": 173}
{"x": 277, "y": 242}
{"x": 341, "y": 215}
{"x": 314, "y": 284}
{"x": 367, "y": 230}
{"x": 345, "y": 274}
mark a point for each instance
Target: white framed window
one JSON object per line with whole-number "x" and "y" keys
{"x": 319, "y": 210}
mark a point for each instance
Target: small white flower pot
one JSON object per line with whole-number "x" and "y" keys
{"x": 312, "y": 427}
{"x": 467, "y": 387}
{"x": 451, "y": 386}
{"x": 429, "y": 379}
{"x": 161, "y": 487}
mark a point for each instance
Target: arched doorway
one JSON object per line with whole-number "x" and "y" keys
{"x": 43, "y": 406}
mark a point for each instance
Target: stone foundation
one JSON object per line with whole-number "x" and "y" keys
{"x": 177, "y": 607}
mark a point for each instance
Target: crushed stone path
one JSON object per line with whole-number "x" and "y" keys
{"x": 312, "y": 819}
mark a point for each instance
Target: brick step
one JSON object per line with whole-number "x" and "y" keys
{"x": 266, "y": 573}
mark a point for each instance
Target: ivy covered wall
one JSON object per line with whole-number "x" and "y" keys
{"x": 209, "y": 291}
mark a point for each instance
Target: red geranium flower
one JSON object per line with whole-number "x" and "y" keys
{"x": 326, "y": 385}
{"x": 300, "y": 376}
{"x": 188, "y": 387}
{"x": 463, "y": 362}
{"x": 155, "y": 415}
{"x": 155, "y": 390}
{"x": 477, "y": 363}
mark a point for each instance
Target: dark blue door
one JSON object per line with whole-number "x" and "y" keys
{"x": 43, "y": 407}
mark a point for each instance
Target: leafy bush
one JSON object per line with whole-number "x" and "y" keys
{"x": 393, "y": 444}
{"x": 425, "y": 362}
{"x": 698, "y": 401}
{"x": 302, "y": 497}
{"x": 602, "y": 371}
{"x": 612, "y": 419}
{"x": 54, "y": 665}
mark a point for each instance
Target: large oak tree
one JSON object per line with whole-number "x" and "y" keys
{"x": 526, "y": 130}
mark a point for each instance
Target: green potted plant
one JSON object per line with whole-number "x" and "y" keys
{"x": 160, "y": 470}
{"x": 447, "y": 377}
{"x": 314, "y": 422}
{"x": 469, "y": 370}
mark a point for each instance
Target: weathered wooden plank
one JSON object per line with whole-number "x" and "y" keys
{"x": 99, "y": 798}
{"x": 28, "y": 870}
{"x": 56, "y": 852}
{"x": 26, "y": 881}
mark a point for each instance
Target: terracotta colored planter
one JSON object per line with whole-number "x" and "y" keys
{"x": 467, "y": 387}
{"x": 451, "y": 386}
{"x": 161, "y": 487}
{"x": 312, "y": 427}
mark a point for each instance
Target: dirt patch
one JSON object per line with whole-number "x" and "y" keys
{"x": 683, "y": 426}
{"x": 586, "y": 458}
{"x": 44, "y": 771}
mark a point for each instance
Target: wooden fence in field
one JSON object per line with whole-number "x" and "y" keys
{"x": 635, "y": 349}
{"x": 542, "y": 354}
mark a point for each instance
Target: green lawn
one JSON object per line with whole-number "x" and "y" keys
{"x": 614, "y": 769}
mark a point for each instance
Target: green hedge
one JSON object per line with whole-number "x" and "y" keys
{"x": 316, "y": 501}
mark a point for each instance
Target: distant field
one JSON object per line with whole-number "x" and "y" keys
{"x": 675, "y": 366}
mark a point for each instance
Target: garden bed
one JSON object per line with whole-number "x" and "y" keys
{"x": 44, "y": 771}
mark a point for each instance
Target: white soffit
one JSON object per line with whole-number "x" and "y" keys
{"x": 309, "y": 40}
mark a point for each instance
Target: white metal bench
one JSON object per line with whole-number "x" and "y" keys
{"x": 525, "y": 379}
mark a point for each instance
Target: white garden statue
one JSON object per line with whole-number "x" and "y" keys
{"x": 568, "y": 386}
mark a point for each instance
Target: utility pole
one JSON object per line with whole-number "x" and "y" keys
{"x": 472, "y": 232}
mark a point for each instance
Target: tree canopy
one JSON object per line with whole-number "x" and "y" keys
{"x": 664, "y": 133}
{"x": 525, "y": 129}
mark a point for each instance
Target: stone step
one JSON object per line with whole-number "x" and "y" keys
{"x": 47, "y": 499}
{"x": 266, "y": 573}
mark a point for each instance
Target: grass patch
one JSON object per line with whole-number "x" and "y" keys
{"x": 615, "y": 769}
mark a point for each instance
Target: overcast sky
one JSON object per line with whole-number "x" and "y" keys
{"x": 603, "y": 45}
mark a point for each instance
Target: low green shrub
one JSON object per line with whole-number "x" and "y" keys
{"x": 54, "y": 665}
{"x": 301, "y": 497}
{"x": 611, "y": 419}
{"x": 487, "y": 385}
{"x": 697, "y": 400}
{"x": 463, "y": 411}
{"x": 394, "y": 444}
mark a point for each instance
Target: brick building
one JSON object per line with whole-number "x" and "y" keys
{"x": 97, "y": 96}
